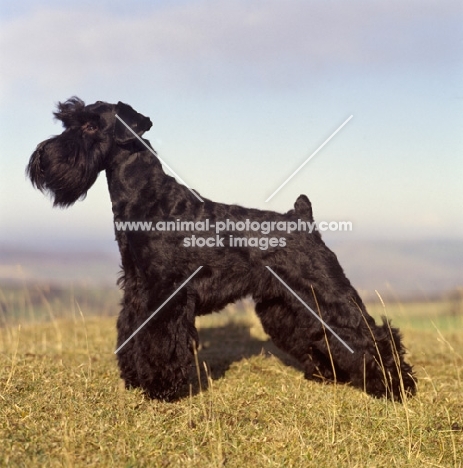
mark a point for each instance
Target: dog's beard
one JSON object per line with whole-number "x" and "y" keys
{"x": 65, "y": 168}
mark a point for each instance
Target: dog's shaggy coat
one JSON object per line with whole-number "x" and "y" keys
{"x": 155, "y": 263}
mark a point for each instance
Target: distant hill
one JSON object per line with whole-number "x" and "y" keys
{"x": 423, "y": 268}
{"x": 78, "y": 266}
{"x": 405, "y": 268}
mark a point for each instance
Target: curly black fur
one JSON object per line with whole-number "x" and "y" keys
{"x": 155, "y": 263}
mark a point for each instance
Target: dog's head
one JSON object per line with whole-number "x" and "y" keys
{"x": 67, "y": 165}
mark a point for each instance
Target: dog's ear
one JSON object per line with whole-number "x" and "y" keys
{"x": 137, "y": 122}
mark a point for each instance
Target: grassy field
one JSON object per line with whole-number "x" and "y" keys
{"x": 62, "y": 402}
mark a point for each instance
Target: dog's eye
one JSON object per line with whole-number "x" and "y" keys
{"x": 90, "y": 127}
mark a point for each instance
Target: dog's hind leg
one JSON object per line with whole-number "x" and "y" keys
{"x": 294, "y": 331}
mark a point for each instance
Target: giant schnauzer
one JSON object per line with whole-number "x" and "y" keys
{"x": 303, "y": 298}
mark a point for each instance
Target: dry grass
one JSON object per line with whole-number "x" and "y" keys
{"x": 62, "y": 404}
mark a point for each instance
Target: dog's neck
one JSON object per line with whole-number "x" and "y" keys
{"x": 137, "y": 182}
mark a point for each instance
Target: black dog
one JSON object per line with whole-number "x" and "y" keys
{"x": 335, "y": 340}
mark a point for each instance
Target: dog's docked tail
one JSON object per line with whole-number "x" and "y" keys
{"x": 303, "y": 207}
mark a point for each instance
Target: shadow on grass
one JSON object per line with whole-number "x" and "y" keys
{"x": 221, "y": 347}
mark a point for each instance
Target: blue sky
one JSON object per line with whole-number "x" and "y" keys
{"x": 240, "y": 94}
